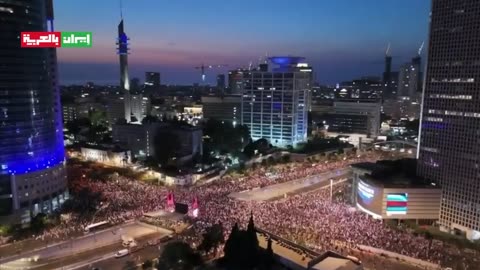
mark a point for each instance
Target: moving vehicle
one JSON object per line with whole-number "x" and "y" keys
{"x": 121, "y": 253}
{"x": 96, "y": 226}
{"x": 127, "y": 240}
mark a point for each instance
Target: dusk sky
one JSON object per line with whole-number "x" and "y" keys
{"x": 341, "y": 39}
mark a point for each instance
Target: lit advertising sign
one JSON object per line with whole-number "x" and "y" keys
{"x": 369, "y": 199}
{"x": 397, "y": 204}
{"x": 365, "y": 192}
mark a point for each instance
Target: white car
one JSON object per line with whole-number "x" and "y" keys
{"x": 121, "y": 253}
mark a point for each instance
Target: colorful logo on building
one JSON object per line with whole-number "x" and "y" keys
{"x": 56, "y": 39}
{"x": 397, "y": 204}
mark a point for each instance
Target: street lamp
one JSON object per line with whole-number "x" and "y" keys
{"x": 331, "y": 189}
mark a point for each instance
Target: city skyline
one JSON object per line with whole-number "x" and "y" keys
{"x": 319, "y": 31}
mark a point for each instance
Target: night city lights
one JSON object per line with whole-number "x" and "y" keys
{"x": 237, "y": 135}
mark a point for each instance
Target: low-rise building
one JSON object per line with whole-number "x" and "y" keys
{"x": 140, "y": 139}
{"x": 358, "y": 119}
{"x": 109, "y": 155}
{"x": 69, "y": 112}
{"x": 223, "y": 108}
{"x": 392, "y": 190}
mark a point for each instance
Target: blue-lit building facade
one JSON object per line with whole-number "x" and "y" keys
{"x": 275, "y": 103}
{"x": 32, "y": 157}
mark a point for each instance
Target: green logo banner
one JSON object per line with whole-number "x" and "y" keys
{"x": 76, "y": 39}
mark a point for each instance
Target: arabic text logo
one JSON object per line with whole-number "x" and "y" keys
{"x": 76, "y": 39}
{"x": 56, "y": 39}
{"x": 40, "y": 39}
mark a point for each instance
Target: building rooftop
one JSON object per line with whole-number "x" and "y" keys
{"x": 286, "y": 60}
{"x": 357, "y": 100}
{"x": 394, "y": 173}
{"x": 105, "y": 147}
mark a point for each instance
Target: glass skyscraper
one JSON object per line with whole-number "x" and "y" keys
{"x": 275, "y": 104}
{"x": 32, "y": 174}
{"x": 449, "y": 151}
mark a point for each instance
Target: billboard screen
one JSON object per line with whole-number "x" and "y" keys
{"x": 369, "y": 198}
{"x": 181, "y": 208}
{"x": 397, "y": 204}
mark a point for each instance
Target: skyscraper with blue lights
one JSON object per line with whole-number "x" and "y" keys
{"x": 275, "y": 103}
{"x": 32, "y": 156}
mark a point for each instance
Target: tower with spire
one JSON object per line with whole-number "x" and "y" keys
{"x": 136, "y": 106}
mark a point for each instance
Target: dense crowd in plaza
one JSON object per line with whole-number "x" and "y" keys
{"x": 311, "y": 219}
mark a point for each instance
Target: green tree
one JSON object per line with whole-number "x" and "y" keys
{"x": 212, "y": 238}
{"x": 179, "y": 256}
{"x": 129, "y": 265}
{"x": 148, "y": 264}
{"x": 271, "y": 160}
{"x": 38, "y": 222}
{"x": 224, "y": 138}
{"x": 74, "y": 127}
{"x": 97, "y": 117}
{"x": 166, "y": 145}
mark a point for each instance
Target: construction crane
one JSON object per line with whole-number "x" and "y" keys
{"x": 421, "y": 48}
{"x": 203, "y": 67}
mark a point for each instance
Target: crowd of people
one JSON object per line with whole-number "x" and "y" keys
{"x": 311, "y": 219}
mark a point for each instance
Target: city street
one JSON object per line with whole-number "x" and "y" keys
{"x": 134, "y": 259}
{"x": 82, "y": 248}
{"x": 279, "y": 190}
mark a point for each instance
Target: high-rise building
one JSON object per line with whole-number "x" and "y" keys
{"x": 221, "y": 81}
{"x": 115, "y": 109}
{"x": 450, "y": 125}
{"x": 32, "y": 157}
{"x": 135, "y": 84}
{"x": 70, "y": 113}
{"x": 152, "y": 79}
{"x": 409, "y": 80}
{"x": 390, "y": 78}
{"x": 235, "y": 80}
{"x": 355, "y": 118}
{"x": 122, "y": 52}
{"x": 223, "y": 108}
{"x": 364, "y": 88}
{"x": 275, "y": 104}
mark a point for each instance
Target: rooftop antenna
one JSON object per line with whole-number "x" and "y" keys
{"x": 387, "y": 52}
{"x": 266, "y": 58}
{"x": 121, "y": 9}
{"x": 421, "y": 48}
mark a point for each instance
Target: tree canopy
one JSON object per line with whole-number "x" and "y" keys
{"x": 178, "y": 256}
{"x": 212, "y": 238}
{"x": 166, "y": 144}
{"x": 225, "y": 138}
